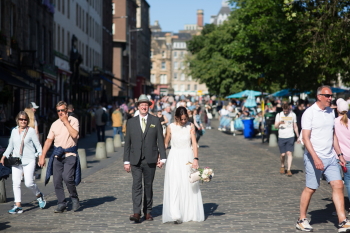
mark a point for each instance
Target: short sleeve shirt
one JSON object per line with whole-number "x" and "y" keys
{"x": 321, "y": 124}
{"x": 60, "y": 133}
{"x": 286, "y": 130}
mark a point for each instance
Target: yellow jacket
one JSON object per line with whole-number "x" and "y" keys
{"x": 117, "y": 119}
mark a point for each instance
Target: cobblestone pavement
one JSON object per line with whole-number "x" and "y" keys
{"x": 247, "y": 194}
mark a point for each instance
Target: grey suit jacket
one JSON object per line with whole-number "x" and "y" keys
{"x": 150, "y": 143}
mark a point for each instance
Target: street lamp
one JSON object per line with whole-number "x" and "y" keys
{"x": 129, "y": 50}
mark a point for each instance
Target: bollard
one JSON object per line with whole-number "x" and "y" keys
{"x": 117, "y": 142}
{"x": 298, "y": 150}
{"x": 82, "y": 157}
{"x": 101, "y": 152}
{"x": 2, "y": 191}
{"x": 272, "y": 140}
{"x": 43, "y": 171}
{"x": 110, "y": 145}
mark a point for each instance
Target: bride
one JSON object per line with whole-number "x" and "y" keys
{"x": 182, "y": 201}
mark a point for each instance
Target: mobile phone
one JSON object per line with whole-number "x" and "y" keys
{"x": 345, "y": 169}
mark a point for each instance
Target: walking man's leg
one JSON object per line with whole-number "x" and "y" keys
{"x": 289, "y": 162}
{"x": 68, "y": 176}
{"x": 282, "y": 158}
{"x": 57, "y": 182}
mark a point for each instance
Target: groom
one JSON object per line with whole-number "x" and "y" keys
{"x": 144, "y": 144}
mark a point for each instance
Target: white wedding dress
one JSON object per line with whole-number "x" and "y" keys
{"x": 182, "y": 200}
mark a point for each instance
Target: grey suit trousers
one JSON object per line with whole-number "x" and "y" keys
{"x": 147, "y": 171}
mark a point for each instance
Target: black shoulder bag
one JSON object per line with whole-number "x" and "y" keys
{"x": 15, "y": 161}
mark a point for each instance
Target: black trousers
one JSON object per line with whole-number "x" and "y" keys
{"x": 147, "y": 171}
{"x": 99, "y": 129}
{"x": 64, "y": 170}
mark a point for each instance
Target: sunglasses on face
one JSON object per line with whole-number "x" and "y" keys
{"x": 61, "y": 110}
{"x": 22, "y": 119}
{"x": 327, "y": 95}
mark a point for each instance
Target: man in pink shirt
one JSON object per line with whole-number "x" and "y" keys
{"x": 64, "y": 162}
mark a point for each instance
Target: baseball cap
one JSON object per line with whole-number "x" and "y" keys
{"x": 33, "y": 105}
{"x": 342, "y": 105}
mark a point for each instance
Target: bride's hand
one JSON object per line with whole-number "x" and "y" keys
{"x": 195, "y": 164}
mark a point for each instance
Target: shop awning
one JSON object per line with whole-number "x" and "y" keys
{"x": 110, "y": 81}
{"x": 13, "y": 81}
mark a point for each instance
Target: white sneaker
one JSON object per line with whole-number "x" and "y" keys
{"x": 344, "y": 226}
{"x": 304, "y": 225}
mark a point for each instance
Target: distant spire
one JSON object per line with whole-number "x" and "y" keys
{"x": 224, "y": 3}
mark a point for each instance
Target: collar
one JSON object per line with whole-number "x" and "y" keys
{"x": 144, "y": 117}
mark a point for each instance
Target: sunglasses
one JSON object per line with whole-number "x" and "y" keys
{"x": 22, "y": 119}
{"x": 61, "y": 110}
{"x": 327, "y": 95}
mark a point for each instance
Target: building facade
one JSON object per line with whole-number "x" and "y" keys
{"x": 223, "y": 14}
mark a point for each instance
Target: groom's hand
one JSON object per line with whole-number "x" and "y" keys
{"x": 127, "y": 167}
{"x": 160, "y": 164}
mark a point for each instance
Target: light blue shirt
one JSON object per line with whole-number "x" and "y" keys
{"x": 31, "y": 147}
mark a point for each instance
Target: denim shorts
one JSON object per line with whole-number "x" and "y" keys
{"x": 331, "y": 171}
{"x": 286, "y": 144}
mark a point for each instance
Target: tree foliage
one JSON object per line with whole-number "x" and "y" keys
{"x": 294, "y": 44}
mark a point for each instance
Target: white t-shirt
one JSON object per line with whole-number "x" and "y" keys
{"x": 321, "y": 124}
{"x": 224, "y": 112}
{"x": 286, "y": 130}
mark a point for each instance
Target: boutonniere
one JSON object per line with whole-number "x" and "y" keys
{"x": 152, "y": 126}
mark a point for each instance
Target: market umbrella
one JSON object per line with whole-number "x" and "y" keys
{"x": 250, "y": 102}
{"x": 244, "y": 93}
{"x": 337, "y": 90}
{"x": 288, "y": 92}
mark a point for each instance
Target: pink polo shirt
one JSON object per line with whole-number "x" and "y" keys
{"x": 343, "y": 135}
{"x": 60, "y": 134}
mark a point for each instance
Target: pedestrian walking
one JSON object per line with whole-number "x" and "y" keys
{"x": 319, "y": 139}
{"x": 25, "y": 147}
{"x": 143, "y": 151}
{"x": 182, "y": 200}
{"x": 101, "y": 120}
{"x": 167, "y": 113}
{"x": 117, "y": 123}
{"x": 342, "y": 130}
{"x": 71, "y": 111}
{"x": 64, "y": 162}
{"x": 286, "y": 121}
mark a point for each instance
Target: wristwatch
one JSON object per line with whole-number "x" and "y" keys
{"x": 340, "y": 154}
{"x": 196, "y": 158}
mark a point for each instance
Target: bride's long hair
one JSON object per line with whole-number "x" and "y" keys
{"x": 180, "y": 111}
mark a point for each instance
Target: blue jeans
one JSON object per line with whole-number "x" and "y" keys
{"x": 347, "y": 178}
{"x": 118, "y": 130}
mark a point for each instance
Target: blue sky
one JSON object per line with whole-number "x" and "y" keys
{"x": 174, "y": 14}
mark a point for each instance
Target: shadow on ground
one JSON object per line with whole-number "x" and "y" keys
{"x": 209, "y": 210}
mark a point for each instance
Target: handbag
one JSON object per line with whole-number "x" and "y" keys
{"x": 15, "y": 161}
{"x": 194, "y": 176}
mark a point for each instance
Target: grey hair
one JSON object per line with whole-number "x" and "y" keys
{"x": 321, "y": 87}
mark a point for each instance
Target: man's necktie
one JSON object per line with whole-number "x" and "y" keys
{"x": 143, "y": 125}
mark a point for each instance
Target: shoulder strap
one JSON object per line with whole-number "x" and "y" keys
{"x": 22, "y": 143}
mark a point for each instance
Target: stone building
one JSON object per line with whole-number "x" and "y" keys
{"x": 27, "y": 73}
{"x": 223, "y": 14}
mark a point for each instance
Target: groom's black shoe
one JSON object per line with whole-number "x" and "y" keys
{"x": 149, "y": 217}
{"x": 135, "y": 218}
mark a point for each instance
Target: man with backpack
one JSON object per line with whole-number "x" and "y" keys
{"x": 101, "y": 118}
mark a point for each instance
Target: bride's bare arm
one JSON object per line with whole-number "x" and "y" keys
{"x": 194, "y": 147}
{"x": 167, "y": 136}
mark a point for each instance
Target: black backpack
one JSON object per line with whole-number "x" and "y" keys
{"x": 104, "y": 117}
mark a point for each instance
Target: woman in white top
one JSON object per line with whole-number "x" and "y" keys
{"x": 27, "y": 151}
{"x": 182, "y": 200}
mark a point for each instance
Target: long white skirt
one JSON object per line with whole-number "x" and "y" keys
{"x": 182, "y": 200}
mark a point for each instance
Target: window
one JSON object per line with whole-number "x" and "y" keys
{"x": 63, "y": 41}
{"x": 153, "y": 78}
{"x": 113, "y": 12}
{"x": 68, "y": 43}
{"x": 151, "y": 55}
{"x": 175, "y": 87}
{"x": 182, "y": 65}
{"x": 175, "y": 54}
{"x": 163, "y": 79}
{"x": 12, "y": 20}
{"x": 188, "y": 87}
{"x": 190, "y": 78}
{"x": 58, "y": 38}
{"x": 195, "y": 87}
{"x": 43, "y": 44}
{"x": 175, "y": 66}
{"x": 87, "y": 55}
{"x": 182, "y": 87}
{"x": 77, "y": 14}
{"x": 68, "y": 9}
{"x": 163, "y": 65}
{"x": 113, "y": 28}
{"x": 181, "y": 54}
{"x": 163, "y": 54}
{"x": 175, "y": 76}
{"x": 59, "y": 5}
{"x": 87, "y": 23}
{"x": 63, "y": 6}
{"x": 182, "y": 77}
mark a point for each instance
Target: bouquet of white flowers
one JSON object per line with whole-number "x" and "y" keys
{"x": 203, "y": 174}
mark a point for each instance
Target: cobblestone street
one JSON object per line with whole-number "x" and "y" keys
{"x": 247, "y": 194}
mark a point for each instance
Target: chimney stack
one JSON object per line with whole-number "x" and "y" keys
{"x": 200, "y": 18}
